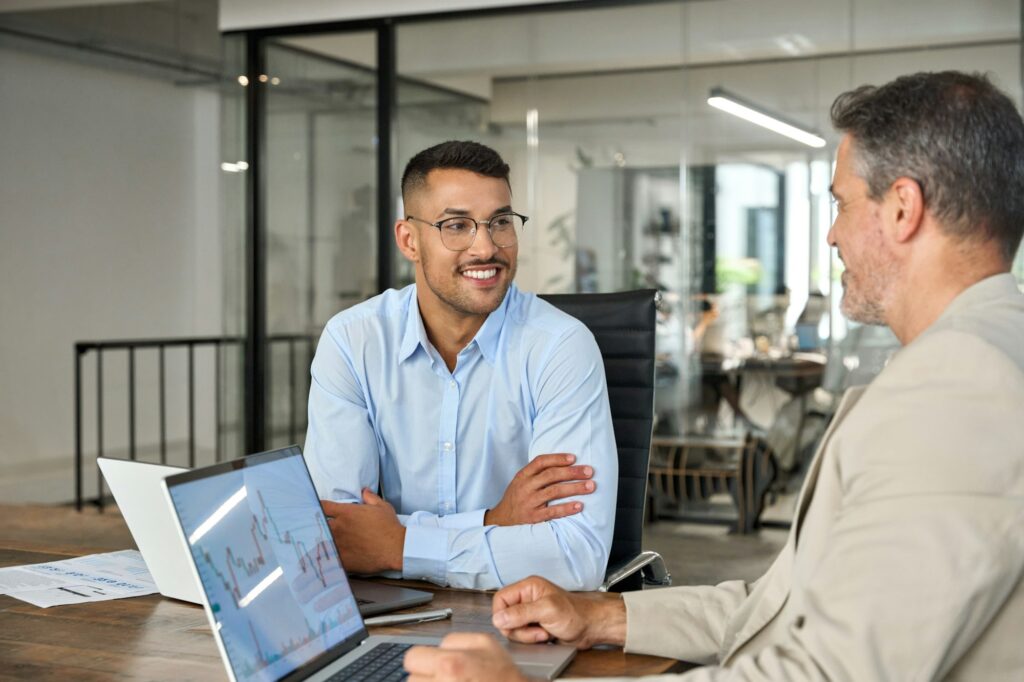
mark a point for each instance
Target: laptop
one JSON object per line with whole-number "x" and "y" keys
{"x": 137, "y": 491}
{"x": 137, "y": 488}
{"x": 279, "y": 603}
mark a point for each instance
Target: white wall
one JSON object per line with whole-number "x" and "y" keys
{"x": 108, "y": 229}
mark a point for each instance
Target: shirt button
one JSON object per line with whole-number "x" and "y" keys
{"x": 799, "y": 622}
{"x": 448, "y": 446}
{"x": 452, "y": 383}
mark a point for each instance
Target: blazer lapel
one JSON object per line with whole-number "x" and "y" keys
{"x": 754, "y": 616}
{"x": 847, "y": 402}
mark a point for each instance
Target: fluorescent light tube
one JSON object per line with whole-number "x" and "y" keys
{"x": 737, "y": 106}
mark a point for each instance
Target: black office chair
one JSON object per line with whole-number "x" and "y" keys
{"x": 623, "y": 325}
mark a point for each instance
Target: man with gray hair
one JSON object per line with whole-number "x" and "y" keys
{"x": 906, "y": 555}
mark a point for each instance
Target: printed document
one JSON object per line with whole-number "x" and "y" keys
{"x": 97, "y": 577}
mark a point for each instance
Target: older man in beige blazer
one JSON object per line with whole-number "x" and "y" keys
{"x": 906, "y": 555}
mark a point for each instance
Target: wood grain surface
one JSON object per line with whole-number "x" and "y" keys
{"x": 155, "y": 638}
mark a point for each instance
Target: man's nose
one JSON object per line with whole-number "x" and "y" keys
{"x": 483, "y": 246}
{"x": 830, "y": 238}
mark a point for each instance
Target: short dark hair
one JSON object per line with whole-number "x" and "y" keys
{"x": 460, "y": 154}
{"x": 957, "y": 135}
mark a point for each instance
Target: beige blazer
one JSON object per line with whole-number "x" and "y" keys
{"x": 907, "y": 550}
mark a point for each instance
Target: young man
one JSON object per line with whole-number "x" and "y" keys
{"x": 906, "y": 556}
{"x": 479, "y": 412}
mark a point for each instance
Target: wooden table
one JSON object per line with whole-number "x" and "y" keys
{"x": 153, "y": 638}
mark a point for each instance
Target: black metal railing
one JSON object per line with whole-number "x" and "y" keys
{"x": 219, "y": 345}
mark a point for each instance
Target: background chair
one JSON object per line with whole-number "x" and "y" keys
{"x": 687, "y": 470}
{"x": 623, "y": 325}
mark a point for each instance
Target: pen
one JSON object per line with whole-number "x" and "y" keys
{"x": 404, "y": 618}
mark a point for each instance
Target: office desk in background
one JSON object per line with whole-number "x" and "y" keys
{"x": 153, "y": 638}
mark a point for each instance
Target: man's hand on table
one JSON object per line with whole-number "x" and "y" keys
{"x": 531, "y": 610}
{"x": 544, "y": 479}
{"x": 535, "y": 610}
{"x": 369, "y": 536}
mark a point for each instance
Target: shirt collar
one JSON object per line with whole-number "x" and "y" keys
{"x": 415, "y": 334}
{"x": 486, "y": 339}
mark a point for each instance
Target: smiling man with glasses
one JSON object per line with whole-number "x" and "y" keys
{"x": 478, "y": 412}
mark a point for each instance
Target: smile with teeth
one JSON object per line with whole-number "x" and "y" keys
{"x": 481, "y": 274}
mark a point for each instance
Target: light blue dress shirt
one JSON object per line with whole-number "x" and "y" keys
{"x": 385, "y": 412}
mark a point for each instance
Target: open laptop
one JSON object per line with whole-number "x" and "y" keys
{"x": 138, "y": 490}
{"x": 278, "y": 601}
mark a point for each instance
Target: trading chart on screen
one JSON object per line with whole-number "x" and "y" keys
{"x": 268, "y": 565}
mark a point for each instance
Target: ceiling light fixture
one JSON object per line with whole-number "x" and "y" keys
{"x": 722, "y": 99}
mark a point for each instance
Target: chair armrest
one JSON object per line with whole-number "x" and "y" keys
{"x": 650, "y": 563}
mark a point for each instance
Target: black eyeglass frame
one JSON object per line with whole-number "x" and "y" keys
{"x": 476, "y": 227}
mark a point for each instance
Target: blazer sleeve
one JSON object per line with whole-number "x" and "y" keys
{"x": 687, "y": 623}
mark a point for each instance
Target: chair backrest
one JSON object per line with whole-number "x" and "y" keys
{"x": 623, "y": 325}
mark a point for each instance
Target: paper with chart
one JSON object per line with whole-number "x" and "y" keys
{"x": 96, "y": 577}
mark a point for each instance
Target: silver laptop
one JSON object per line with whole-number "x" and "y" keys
{"x": 279, "y": 603}
{"x": 137, "y": 489}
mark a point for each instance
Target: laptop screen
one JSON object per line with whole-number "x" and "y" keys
{"x": 267, "y": 562}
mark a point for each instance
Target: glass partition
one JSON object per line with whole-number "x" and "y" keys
{"x": 320, "y": 178}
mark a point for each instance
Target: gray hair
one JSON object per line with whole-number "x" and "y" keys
{"x": 954, "y": 133}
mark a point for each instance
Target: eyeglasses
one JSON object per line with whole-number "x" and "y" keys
{"x": 457, "y": 234}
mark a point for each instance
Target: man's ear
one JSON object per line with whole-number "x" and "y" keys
{"x": 407, "y": 240}
{"x": 908, "y": 206}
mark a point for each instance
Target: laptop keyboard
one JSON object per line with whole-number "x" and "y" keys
{"x": 382, "y": 663}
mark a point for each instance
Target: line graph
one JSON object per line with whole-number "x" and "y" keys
{"x": 260, "y": 527}
{"x": 306, "y": 560}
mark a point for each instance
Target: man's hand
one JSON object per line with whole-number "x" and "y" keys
{"x": 534, "y": 610}
{"x": 546, "y": 478}
{"x": 462, "y": 657}
{"x": 369, "y": 536}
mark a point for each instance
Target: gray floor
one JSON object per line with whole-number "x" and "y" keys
{"x": 704, "y": 554}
